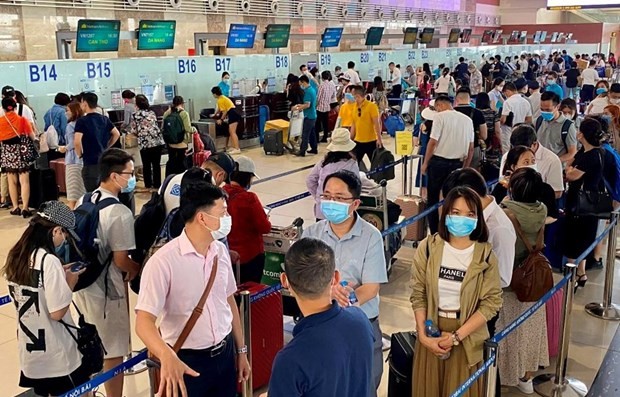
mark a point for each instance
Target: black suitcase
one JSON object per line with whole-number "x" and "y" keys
{"x": 400, "y": 360}
{"x": 273, "y": 143}
{"x": 43, "y": 187}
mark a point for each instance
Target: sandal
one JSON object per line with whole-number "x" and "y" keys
{"x": 17, "y": 211}
{"x": 26, "y": 213}
{"x": 581, "y": 281}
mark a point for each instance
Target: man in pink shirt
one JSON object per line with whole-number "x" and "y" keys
{"x": 213, "y": 358}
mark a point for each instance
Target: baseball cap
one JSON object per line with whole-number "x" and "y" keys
{"x": 345, "y": 76}
{"x": 533, "y": 85}
{"x": 245, "y": 164}
{"x": 8, "y": 91}
{"x": 59, "y": 214}
{"x": 224, "y": 161}
{"x": 520, "y": 83}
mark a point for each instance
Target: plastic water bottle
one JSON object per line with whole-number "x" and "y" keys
{"x": 352, "y": 297}
{"x": 432, "y": 331}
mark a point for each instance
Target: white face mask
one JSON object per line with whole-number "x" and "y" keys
{"x": 614, "y": 101}
{"x": 532, "y": 166}
{"x": 225, "y": 227}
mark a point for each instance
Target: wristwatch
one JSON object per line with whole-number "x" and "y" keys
{"x": 456, "y": 340}
{"x": 242, "y": 350}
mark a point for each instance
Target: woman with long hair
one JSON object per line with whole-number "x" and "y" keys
{"x": 444, "y": 83}
{"x": 456, "y": 285}
{"x": 379, "y": 94}
{"x": 601, "y": 100}
{"x": 339, "y": 157}
{"x": 73, "y": 164}
{"x": 226, "y": 110}
{"x": 611, "y": 114}
{"x": 41, "y": 287}
{"x": 491, "y": 119}
{"x": 150, "y": 140}
{"x": 425, "y": 90}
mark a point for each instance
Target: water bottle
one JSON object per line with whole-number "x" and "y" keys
{"x": 352, "y": 297}
{"x": 432, "y": 331}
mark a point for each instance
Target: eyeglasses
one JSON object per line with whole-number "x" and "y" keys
{"x": 132, "y": 173}
{"x": 338, "y": 199}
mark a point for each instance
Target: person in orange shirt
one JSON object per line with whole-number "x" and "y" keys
{"x": 12, "y": 162}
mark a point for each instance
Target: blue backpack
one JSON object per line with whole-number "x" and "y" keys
{"x": 612, "y": 177}
{"x": 87, "y": 249}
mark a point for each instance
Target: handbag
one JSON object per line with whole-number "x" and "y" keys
{"x": 154, "y": 363}
{"x": 131, "y": 140}
{"x": 88, "y": 342}
{"x": 27, "y": 150}
{"x": 594, "y": 203}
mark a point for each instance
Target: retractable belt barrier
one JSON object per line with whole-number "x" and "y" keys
{"x": 4, "y": 300}
{"x": 479, "y": 372}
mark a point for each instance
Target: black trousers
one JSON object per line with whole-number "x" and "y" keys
{"x": 394, "y": 96}
{"x": 90, "y": 176}
{"x": 322, "y": 124}
{"x": 151, "y": 166}
{"x": 176, "y": 161}
{"x": 364, "y": 148}
{"x": 252, "y": 270}
{"x": 437, "y": 172}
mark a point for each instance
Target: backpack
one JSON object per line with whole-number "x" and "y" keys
{"x": 88, "y": 342}
{"x": 87, "y": 249}
{"x": 381, "y": 157}
{"x": 565, "y": 127}
{"x": 173, "y": 130}
{"x": 533, "y": 277}
{"x": 612, "y": 176}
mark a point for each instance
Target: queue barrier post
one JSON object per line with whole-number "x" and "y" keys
{"x": 490, "y": 379}
{"x": 405, "y": 177}
{"x": 246, "y": 387}
{"x": 558, "y": 384}
{"x": 606, "y": 310}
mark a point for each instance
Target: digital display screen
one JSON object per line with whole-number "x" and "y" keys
{"x": 374, "y": 35}
{"x": 537, "y": 36}
{"x": 427, "y": 35}
{"x": 241, "y": 36}
{"x": 454, "y": 35}
{"x": 466, "y": 35}
{"x": 554, "y": 37}
{"x": 97, "y": 35}
{"x": 156, "y": 35}
{"x": 579, "y": 4}
{"x": 331, "y": 37}
{"x": 411, "y": 36}
{"x": 487, "y": 36}
{"x": 543, "y": 36}
{"x": 277, "y": 36}
{"x": 514, "y": 37}
{"x": 498, "y": 35}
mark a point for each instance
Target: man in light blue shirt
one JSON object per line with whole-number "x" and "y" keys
{"x": 553, "y": 86}
{"x": 358, "y": 249}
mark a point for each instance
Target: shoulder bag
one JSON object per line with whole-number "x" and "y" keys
{"x": 27, "y": 149}
{"x": 153, "y": 361}
{"x": 594, "y": 203}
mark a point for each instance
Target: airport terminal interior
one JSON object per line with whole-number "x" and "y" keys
{"x": 255, "y": 50}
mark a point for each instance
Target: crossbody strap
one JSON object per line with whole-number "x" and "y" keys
{"x": 10, "y": 124}
{"x": 539, "y": 238}
{"x": 193, "y": 318}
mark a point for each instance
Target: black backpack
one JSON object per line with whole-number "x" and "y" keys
{"x": 381, "y": 157}
{"x": 173, "y": 130}
{"x": 88, "y": 342}
{"x": 565, "y": 127}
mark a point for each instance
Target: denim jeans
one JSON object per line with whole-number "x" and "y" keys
{"x": 308, "y": 135}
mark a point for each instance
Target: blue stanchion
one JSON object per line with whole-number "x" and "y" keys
{"x": 288, "y": 200}
{"x": 270, "y": 178}
{"x": 406, "y": 222}
{"x": 595, "y": 243}
{"x": 106, "y": 376}
{"x": 385, "y": 167}
{"x": 4, "y": 300}
{"x": 467, "y": 384}
{"x": 267, "y": 291}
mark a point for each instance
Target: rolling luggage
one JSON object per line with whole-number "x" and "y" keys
{"x": 273, "y": 143}
{"x": 332, "y": 118}
{"x": 59, "y": 167}
{"x": 400, "y": 361}
{"x": 412, "y": 205}
{"x": 43, "y": 187}
{"x": 554, "y": 308}
{"x": 267, "y": 332}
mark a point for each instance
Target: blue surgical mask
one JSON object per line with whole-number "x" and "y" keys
{"x": 349, "y": 97}
{"x": 62, "y": 251}
{"x": 600, "y": 91}
{"x": 460, "y": 226}
{"x": 131, "y": 185}
{"x": 547, "y": 116}
{"x": 334, "y": 211}
{"x": 550, "y": 81}
{"x": 607, "y": 118}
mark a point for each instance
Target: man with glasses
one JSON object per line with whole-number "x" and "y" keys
{"x": 359, "y": 252}
{"x": 366, "y": 128}
{"x": 103, "y": 303}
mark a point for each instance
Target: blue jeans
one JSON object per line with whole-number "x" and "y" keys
{"x": 308, "y": 134}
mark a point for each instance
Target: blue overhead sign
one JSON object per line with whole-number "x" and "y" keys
{"x": 241, "y": 36}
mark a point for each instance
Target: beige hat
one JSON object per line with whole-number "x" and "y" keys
{"x": 428, "y": 114}
{"x": 245, "y": 164}
{"x": 341, "y": 141}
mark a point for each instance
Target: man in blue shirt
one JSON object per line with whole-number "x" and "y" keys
{"x": 359, "y": 251}
{"x": 309, "y": 108}
{"x": 331, "y": 350}
{"x": 553, "y": 86}
{"x": 57, "y": 116}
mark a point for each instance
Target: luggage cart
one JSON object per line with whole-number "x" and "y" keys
{"x": 295, "y": 129}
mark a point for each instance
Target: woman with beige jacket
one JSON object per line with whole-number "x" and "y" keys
{"x": 455, "y": 284}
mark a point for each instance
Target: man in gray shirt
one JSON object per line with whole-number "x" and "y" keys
{"x": 555, "y": 132}
{"x": 359, "y": 252}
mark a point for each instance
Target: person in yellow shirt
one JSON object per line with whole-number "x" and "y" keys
{"x": 226, "y": 109}
{"x": 347, "y": 109}
{"x": 366, "y": 127}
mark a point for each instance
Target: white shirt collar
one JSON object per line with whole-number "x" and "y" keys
{"x": 490, "y": 209}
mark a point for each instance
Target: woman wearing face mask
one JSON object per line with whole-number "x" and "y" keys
{"x": 347, "y": 110}
{"x": 495, "y": 95}
{"x": 584, "y": 172}
{"x": 602, "y": 98}
{"x": 339, "y": 157}
{"x": 611, "y": 114}
{"x": 459, "y": 302}
{"x": 226, "y": 110}
{"x": 445, "y": 84}
{"x": 42, "y": 287}
{"x": 527, "y": 348}
{"x": 568, "y": 107}
{"x": 249, "y": 221}
{"x": 225, "y": 84}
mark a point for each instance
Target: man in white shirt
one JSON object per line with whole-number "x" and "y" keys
{"x": 355, "y": 77}
{"x": 394, "y": 79}
{"x": 516, "y": 110}
{"x": 548, "y": 164}
{"x": 589, "y": 78}
{"x": 451, "y": 146}
{"x": 534, "y": 98}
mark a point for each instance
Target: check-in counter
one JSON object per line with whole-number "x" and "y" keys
{"x": 278, "y": 104}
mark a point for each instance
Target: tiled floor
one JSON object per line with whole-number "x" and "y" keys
{"x": 590, "y": 337}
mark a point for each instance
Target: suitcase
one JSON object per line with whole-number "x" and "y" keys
{"x": 267, "y": 332}
{"x": 400, "y": 361}
{"x": 412, "y": 205}
{"x": 273, "y": 143}
{"x": 59, "y": 167}
{"x": 43, "y": 187}
{"x": 554, "y": 308}
{"x": 332, "y": 118}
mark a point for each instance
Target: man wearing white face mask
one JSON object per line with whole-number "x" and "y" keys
{"x": 212, "y": 355}
{"x": 358, "y": 247}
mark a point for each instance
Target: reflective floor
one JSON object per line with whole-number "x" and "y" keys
{"x": 590, "y": 338}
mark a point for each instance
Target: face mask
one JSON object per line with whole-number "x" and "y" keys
{"x": 614, "y": 101}
{"x": 349, "y": 97}
{"x": 600, "y": 91}
{"x": 500, "y": 88}
{"x": 227, "y": 81}
{"x": 131, "y": 185}
{"x": 533, "y": 166}
{"x": 225, "y": 226}
{"x": 547, "y": 116}
{"x": 460, "y": 226}
{"x": 550, "y": 81}
{"x": 334, "y": 211}
{"x": 607, "y": 118}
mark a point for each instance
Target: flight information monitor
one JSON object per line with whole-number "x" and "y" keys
{"x": 97, "y": 35}
{"x": 411, "y": 36}
{"x": 427, "y": 35}
{"x": 277, "y": 36}
{"x": 331, "y": 37}
{"x": 156, "y": 35}
{"x": 241, "y": 36}
{"x": 374, "y": 35}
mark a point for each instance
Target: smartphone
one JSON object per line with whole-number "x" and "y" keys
{"x": 77, "y": 266}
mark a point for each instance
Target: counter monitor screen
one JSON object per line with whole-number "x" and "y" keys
{"x": 331, "y": 37}
{"x": 156, "y": 35}
{"x": 427, "y": 35}
{"x": 277, "y": 36}
{"x": 97, "y": 35}
{"x": 411, "y": 36}
{"x": 374, "y": 35}
{"x": 454, "y": 35}
{"x": 537, "y": 36}
{"x": 554, "y": 37}
{"x": 241, "y": 36}
{"x": 487, "y": 36}
{"x": 311, "y": 65}
{"x": 514, "y": 37}
{"x": 523, "y": 36}
{"x": 498, "y": 35}
{"x": 466, "y": 35}
{"x": 543, "y": 36}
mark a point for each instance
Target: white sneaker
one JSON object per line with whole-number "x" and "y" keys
{"x": 387, "y": 344}
{"x": 526, "y": 387}
{"x": 234, "y": 151}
